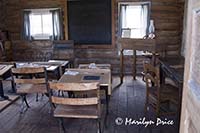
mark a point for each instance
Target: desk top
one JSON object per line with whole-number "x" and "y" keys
{"x": 63, "y": 63}
{"x": 100, "y": 66}
{"x": 49, "y": 67}
{"x": 174, "y": 65}
{"x": 77, "y": 76}
{"x": 140, "y": 44}
{"x": 4, "y": 69}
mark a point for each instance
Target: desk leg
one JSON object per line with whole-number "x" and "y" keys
{"x": 13, "y": 86}
{"x": 107, "y": 101}
{"x": 60, "y": 71}
{"x": 162, "y": 75}
{"x": 13, "y": 83}
{"x": 134, "y": 64}
{"x": 2, "y": 96}
{"x": 121, "y": 66}
{"x": 107, "y": 96}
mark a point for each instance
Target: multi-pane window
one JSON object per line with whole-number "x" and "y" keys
{"x": 134, "y": 20}
{"x": 41, "y": 26}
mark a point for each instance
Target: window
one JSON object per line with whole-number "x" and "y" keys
{"x": 134, "y": 19}
{"x": 42, "y": 24}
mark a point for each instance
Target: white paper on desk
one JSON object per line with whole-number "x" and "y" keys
{"x": 71, "y": 73}
{"x": 51, "y": 67}
{"x": 92, "y": 65}
{"x": 21, "y": 64}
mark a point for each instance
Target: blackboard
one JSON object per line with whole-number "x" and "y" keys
{"x": 89, "y": 21}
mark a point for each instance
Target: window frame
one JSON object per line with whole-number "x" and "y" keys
{"x": 42, "y": 36}
{"x": 39, "y": 10}
{"x": 120, "y": 4}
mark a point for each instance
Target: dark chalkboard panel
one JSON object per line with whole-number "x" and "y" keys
{"x": 89, "y": 21}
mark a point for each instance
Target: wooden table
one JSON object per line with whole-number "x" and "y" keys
{"x": 173, "y": 67}
{"x": 5, "y": 72}
{"x": 103, "y": 73}
{"x": 100, "y": 66}
{"x": 53, "y": 68}
{"x": 136, "y": 44}
{"x": 48, "y": 66}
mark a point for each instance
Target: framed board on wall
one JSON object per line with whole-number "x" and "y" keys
{"x": 90, "y": 21}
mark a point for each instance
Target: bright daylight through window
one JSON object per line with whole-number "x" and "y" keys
{"x": 134, "y": 20}
{"x": 41, "y": 26}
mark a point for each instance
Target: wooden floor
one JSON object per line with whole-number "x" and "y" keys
{"x": 127, "y": 101}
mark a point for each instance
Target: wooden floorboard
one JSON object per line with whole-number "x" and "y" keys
{"x": 127, "y": 101}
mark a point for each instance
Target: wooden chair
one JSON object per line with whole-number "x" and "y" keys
{"x": 74, "y": 107}
{"x": 30, "y": 81}
{"x": 159, "y": 95}
{"x": 149, "y": 58}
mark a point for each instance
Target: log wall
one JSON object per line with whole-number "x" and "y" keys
{"x": 167, "y": 14}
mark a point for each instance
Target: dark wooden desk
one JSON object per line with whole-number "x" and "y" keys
{"x": 4, "y": 73}
{"x": 173, "y": 67}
